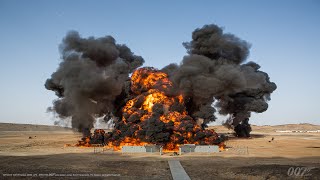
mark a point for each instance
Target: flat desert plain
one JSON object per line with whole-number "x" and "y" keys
{"x": 38, "y": 151}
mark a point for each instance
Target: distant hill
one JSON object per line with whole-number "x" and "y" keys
{"x": 30, "y": 127}
{"x": 269, "y": 128}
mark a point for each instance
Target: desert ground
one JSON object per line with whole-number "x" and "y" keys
{"x": 38, "y": 151}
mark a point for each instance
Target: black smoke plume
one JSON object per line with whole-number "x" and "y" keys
{"x": 215, "y": 70}
{"x": 93, "y": 79}
{"x": 89, "y": 78}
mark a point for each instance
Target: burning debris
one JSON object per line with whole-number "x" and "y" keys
{"x": 166, "y": 107}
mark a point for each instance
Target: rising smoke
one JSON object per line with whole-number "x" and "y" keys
{"x": 214, "y": 71}
{"x": 89, "y": 78}
{"x": 93, "y": 78}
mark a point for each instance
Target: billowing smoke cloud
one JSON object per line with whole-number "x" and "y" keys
{"x": 214, "y": 71}
{"x": 93, "y": 79}
{"x": 90, "y": 77}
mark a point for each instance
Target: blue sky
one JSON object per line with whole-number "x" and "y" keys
{"x": 284, "y": 36}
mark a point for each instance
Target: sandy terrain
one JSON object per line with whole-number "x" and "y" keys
{"x": 39, "y": 151}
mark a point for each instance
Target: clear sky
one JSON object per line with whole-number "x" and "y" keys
{"x": 285, "y": 38}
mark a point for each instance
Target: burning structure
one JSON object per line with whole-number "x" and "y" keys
{"x": 166, "y": 107}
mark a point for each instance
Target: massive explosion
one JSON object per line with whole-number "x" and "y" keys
{"x": 156, "y": 115}
{"x": 168, "y": 107}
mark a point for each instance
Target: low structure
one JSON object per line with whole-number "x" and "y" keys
{"x": 192, "y": 148}
{"x": 186, "y": 148}
{"x": 299, "y": 131}
{"x": 140, "y": 149}
{"x": 207, "y": 149}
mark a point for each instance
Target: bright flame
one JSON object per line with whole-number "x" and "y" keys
{"x": 150, "y": 87}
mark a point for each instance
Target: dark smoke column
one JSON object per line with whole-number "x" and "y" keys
{"x": 215, "y": 70}
{"x": 91, "y": 75}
